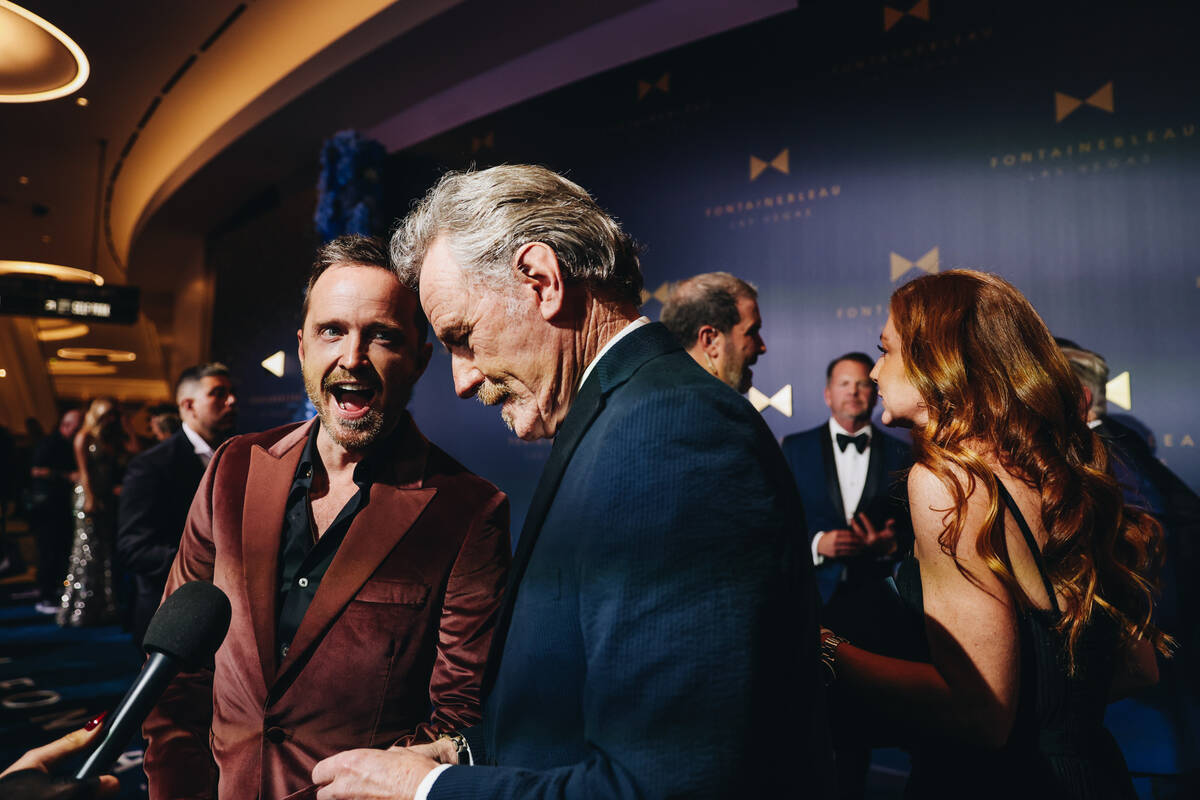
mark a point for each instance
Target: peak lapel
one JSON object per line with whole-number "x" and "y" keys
{"x": 617, "y": 365}
{"x": 267, "y": 486}
{"x": 375, "y": 531}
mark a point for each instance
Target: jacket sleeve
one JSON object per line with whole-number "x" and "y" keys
{"x": 178, "y": 761}
{"x": 142, "y": 547}
{"x": 468, "y": 619}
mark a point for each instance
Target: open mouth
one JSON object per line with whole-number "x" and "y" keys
{"x": 352, "y": 399}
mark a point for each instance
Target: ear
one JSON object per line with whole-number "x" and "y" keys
{"x": 828, "y": 396}
{"x": 709, "y": 339}
{"x": 539, "y": 272}
{"x": 300, "y": 345}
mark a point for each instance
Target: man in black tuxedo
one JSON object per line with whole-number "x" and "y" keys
{"x": 849, "y": 474}
{"x": 160, "y": 483}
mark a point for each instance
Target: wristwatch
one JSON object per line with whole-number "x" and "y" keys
{"x": 462, "y": 750}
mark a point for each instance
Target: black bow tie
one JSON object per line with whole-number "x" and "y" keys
{"x": 860, "y": 442}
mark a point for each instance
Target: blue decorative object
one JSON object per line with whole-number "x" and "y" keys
{"x": 350, "y": 189}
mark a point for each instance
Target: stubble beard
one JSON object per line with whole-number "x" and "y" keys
{"x": 352, "y": 434}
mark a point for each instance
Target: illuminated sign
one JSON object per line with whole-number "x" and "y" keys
{"x": 39, "y": 297}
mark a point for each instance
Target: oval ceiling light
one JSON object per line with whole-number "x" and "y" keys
{"x": 37, "y": 61}
{"x": 58, "y": 367}
{"x": 100, "y": 354}
{"x": 56, "y": 330}
{"x": 49, "y": 270}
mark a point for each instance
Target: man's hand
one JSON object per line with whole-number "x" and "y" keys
{"x": 442, "y": 751}
{"x": 391, "y": 774}
{"x": 841, "y": 543}
{"x": 880, "y": 541}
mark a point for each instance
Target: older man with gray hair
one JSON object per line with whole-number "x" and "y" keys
{"x": 658, "y": 629}
{"x": 715, "y": 317}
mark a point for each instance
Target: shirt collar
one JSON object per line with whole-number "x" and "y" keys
{"x": 628, "y": 329}
{"x": 1095, "y": 423}
{"x": 364, "y": 471}
{"x": 835, "y": 429}
{"x": 199, "y": 446}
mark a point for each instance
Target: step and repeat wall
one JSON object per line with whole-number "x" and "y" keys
{"x": 830, "y": 154}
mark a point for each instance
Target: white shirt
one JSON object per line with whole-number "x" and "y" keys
{"x": 201, "y": 447}
{"x": 426, "y": 784}
{"x": 851, "y": 474}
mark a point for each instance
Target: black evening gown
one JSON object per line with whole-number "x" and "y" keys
{"x": 1058, "y": 747}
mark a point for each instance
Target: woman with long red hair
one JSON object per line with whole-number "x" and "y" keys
{"x": 1030, "y": 574}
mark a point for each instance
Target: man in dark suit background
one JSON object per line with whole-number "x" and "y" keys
{"x": 714, "y": 316}
{"x": 849, "y": 474}
{"x": 159, "y": 485}
{"x": 658, "y": 634}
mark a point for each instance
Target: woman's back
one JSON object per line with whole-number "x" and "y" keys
{"x": 1057, "y": 746}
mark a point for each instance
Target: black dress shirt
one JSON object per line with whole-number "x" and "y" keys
{"x": 303, "y": 557}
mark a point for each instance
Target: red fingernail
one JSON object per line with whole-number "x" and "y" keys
{"x": 95, "y": 722}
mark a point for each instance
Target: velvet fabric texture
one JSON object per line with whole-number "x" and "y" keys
{"x": 391, "y": 649}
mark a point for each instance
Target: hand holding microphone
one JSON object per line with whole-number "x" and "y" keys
{"x": 186, "y": 631}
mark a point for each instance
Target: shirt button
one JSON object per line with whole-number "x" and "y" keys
{"x": 302, "y": 583}
{"x": 276, "y": 735}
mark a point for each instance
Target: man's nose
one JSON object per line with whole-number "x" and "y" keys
{"x": 467, "y": 377}
{"x": 353, "y": 352}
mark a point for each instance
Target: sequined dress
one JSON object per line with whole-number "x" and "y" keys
{"x": 87, "y": 597}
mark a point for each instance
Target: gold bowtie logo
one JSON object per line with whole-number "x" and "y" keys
{"x": 893, "y": 15}
{"x": 1118, "y": 391}
{"x": 660, "y": 294}
{"x": 926, "y": 263}
{"x": 663, "y": 84}
{"x": 779, "y": 162}
{"x": 781, "y": 401}
{"x": 1065, "y": 105}
{"x": 480, "y": 142}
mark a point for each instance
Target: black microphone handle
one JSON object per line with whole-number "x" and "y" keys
{"x": 157, "y": 672}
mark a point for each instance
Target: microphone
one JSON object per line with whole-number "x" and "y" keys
{"x": 186, "y": 631}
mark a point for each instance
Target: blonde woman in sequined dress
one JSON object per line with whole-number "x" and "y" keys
{"x": 87, "y": 597}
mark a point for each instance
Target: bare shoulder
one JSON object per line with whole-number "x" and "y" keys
{"x": 934, "y": 506}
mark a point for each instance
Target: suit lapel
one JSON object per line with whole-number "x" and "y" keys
{"x": 832, "y": 486}
{"x": 267, "y": 485}
{"x": 875, "y": 471}
{"x": 584, "y": 410}
{"x": 617, "y": 365}
{"x": 376, "y": 530}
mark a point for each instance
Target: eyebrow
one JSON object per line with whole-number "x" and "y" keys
{"x": 454, "y": 333}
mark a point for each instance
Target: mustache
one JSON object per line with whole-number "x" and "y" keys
{"x": 492, "y": 393}
{"x": 367, "y": 378}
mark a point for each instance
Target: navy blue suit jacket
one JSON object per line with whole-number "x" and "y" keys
{"x": 659, "y": 630}
{"x": 810, "y": 457}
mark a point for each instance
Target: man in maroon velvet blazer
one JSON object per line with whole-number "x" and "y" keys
{"x": 363, "y": 564}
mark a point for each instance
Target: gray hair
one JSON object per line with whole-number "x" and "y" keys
{"x": 1092, "y": 371}
{"x": 710, "y": 298}
{"x": 486, "y": 216}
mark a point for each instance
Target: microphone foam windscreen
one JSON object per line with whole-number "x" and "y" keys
{"x": 190, "y": 624}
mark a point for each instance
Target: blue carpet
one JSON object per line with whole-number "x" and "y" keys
{"x": 53, "y": 680}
